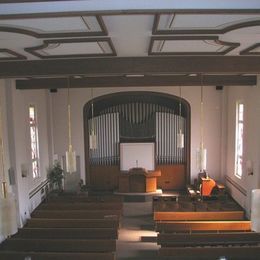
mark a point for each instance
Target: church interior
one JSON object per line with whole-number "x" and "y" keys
{"x": 129, "y": 129}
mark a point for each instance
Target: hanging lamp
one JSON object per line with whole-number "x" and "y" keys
{"x": 92, "y": 135}
{"x": 180, "y": 135}
{"x": 202, "y": 151}
{"x": 8, "y": 221}
{"x": 70, "y": 154}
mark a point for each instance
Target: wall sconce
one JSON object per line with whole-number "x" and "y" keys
{"x": 249, "y": 167}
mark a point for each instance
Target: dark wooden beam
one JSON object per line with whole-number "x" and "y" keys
{"x": 122, "y": 81}
{"x": 132, "y": 65}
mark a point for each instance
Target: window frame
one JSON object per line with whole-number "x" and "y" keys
{"x": 35, "y": 159}
{"x": 239, "y": 139}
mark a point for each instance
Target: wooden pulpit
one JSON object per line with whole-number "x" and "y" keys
{"x": 138, "y": 180}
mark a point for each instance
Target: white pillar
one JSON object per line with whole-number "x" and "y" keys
{"x": 255, "y": 210}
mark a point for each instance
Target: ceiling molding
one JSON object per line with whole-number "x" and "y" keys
{"x": 40, "y": 51}
{"x": 129, "y": 12}
{"x": 14, "y": 55}
{"x": 249, "y": 50}
{"x": 164, "y": 39}
{"x": 132, "y": 65}
{"x": 35, "y": 34}
{"x": 226, "y": 29}
{"x": 123, "y": 81}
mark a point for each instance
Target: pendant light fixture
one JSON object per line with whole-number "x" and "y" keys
{"x": 3, "y": 181}
{"x": 202, "y": 151}
{"x": 180, "y": 135}
{"x": 92, "y": 135}
{"x": 70, "y": 154}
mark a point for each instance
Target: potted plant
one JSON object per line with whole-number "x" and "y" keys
{"x": 55, "y": 176}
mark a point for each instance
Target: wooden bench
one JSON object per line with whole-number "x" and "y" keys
{"x": 75, "y": 214}
{"x": 59, "y": 245}
{"x": 191, "y": 226}
{"x": 68, "y": 233}
{"x": 206, "y": 239}
{"x": 198, "y": 215}
{"x": 81, "y": 206}
{"x": 8, "y": 255}
{"x": 235, "y": 252}
{"x": 107, "y": 222}
{"x": 77, "y": 198}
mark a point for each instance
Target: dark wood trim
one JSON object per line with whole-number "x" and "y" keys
{"x": 132, "y": 65}
{"x": 149, "y": 81}
{"x": 127, "y": 12}
{"x": 16, "y": 55}
{"x": 237, "y": 25}
{"x": 236, "y": 185}
{"x": 248, "y": 51}
{"x": 46, "y": 43}
{"x": 232, "y": 45}
{"x": 35, "y": 34}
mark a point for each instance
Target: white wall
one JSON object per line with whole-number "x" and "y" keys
{"x": 212, "y": 110}
{"x": 251, "y": 98}
{"x": 17, "y": 133}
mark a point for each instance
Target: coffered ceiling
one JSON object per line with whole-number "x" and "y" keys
{"x": 30, "y": 35}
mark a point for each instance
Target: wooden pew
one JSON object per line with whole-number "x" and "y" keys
{"x": 206, "y": 239}
{"x": 196, "y": 215}
{"x": 78, "y": 198}
{"x": 10, "y": 255}
{"x": 59, "y": 245}
{"x": 75, "y": 214}
{"x": 81, "y": 206}
{"x": 68, "y": 233}
{"x": 191, "y": 226}
{"x": 109, "y": 222}
{"x": 235, "y": 252}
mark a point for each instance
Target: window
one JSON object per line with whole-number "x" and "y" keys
{"x": 239, "y": 139}
{"x": 34, "y": 141}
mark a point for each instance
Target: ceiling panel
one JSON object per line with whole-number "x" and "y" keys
{"x": 130, "y": 33}
{"x": 201, "y": 23}
{"x": 53, "y": 27}
{"x": 7, "y": 54}
{"x": 73, "y": 48}
{"x": 190, "y": 45}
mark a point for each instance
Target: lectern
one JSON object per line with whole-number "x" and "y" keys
{"x": 138, "y": 180}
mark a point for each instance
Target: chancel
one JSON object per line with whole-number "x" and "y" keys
{"x": 154, "y": 123}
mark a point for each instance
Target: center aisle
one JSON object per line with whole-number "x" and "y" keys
{"x": 137, "y": 238}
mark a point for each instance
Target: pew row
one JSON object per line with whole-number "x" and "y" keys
{"x": 78, "y": 198}
{"x": 59, "y": 245}
{"x": 109, "y": 222}
{"x": 208, "y": 239}
{"x": 67, "y": 233}
{"x": 10, "y": 255}
{"x": 81, "y": 206}
{"x": 75, "y": 214}
{"x": 233, "y": 252}
{"x": 196, "y": 215}
{"x": 193, "y": 226}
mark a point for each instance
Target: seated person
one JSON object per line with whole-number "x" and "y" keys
{"x": 207, "y": 185}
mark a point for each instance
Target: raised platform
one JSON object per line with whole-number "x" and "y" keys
{"x": 139, "y": 196}
{"x": 138, "y": 203}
